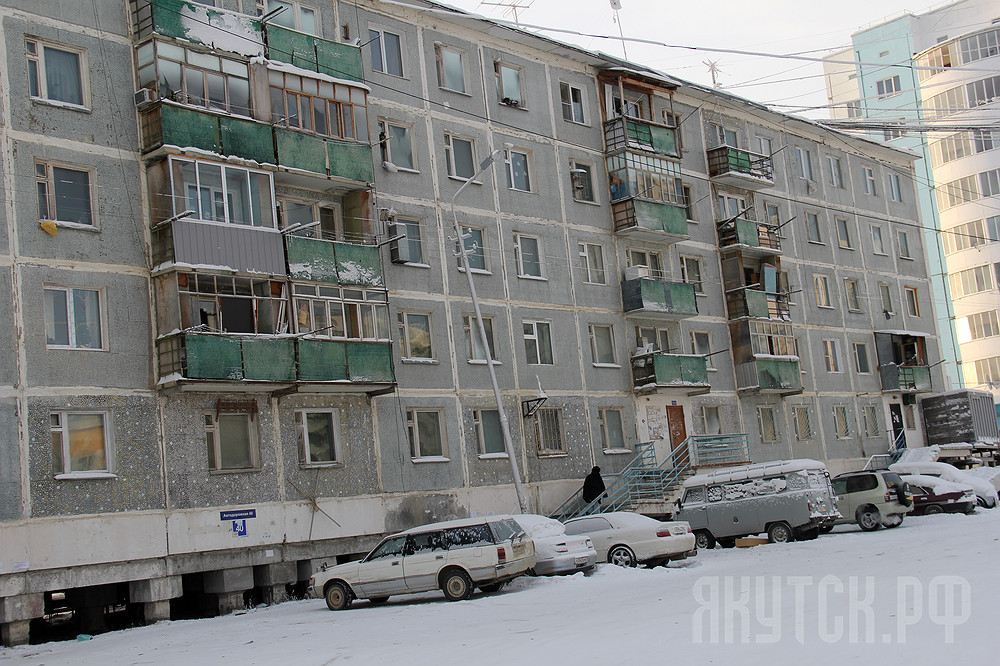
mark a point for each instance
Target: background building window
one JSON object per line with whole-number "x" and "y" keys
{"x": 886, "y": 296}
{"x": 537, "y": 343}
{"x": 451, "y": 71}
{"x": 895, "y": 188}
{"x": 73, "y": 318}
{"x": 572, "y": 103}
{"x": 318, "y": 436}
{"x": 80, "y": 442}
{"x": 63, "y": 194}
{"x": 387, "y": 52}
{"x": 56, "y": 73}
{"x": 602, "y": 345}
{"x": 415, "y": 335}
{"x": 878, "y": 242}
{"x": 423, "y": 427}
{"x": 888, "y": 87}
{"x": 836, "y": 173}
{"x": 489, "y": 433}
{"x": 232, "y": 442}
{"x": 612, "y": 429}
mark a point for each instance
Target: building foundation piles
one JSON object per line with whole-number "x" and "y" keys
{"x": 16, "y": 613}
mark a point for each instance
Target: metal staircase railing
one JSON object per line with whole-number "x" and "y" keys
{"x": 644, "y": 479}
{"x": 883, "y": 460}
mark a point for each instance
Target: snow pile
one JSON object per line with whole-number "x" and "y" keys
{"x": 539, "y": 527}
{"x": 221, "y": 29}
{"x": 755, "y": 471}
{"x": 985, "y": 491}
{"x": 989, "y": 474}
{"x": 937, "y": 484}
{"x": 924, "y": 454}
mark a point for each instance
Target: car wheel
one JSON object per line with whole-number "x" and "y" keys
{"x": 893, "y": 521}
{"x": 704, "y": 540}
{"x": 338, "y": 596}
{"x": 492, "y": 587}
{"x": 869, "y": 519}
{"x": 456, "y": 585}
{"x": 622, "y": 556}
{"x": 808, "y": 534}
{"x": 826, "y": 529}
{"x": 779, "y": 533}
{"x": 375, "y": 601}
{"x": 931, "y": 509}
{"x": 727, "y": 542}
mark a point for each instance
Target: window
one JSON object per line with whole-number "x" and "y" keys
{"x": 323, "y": 107}
{"x": 572, "y": 103}
{"x": 657, "y": 339}
{"x": 869, "y": 181}
{"x": 527, "y": 256}
{"x": 822, "y": 289}
{"x": 409, "y": 248}
{"x": 764, "y": 146}
{"x": 985, "y": 139}
{"x": 634, "y": 174}
{"x": 843, "y": 234}
{"x": 895, "y": 189}
{"x": 892, "y": 133}
{"x": 803, "y": 424}
{"x": 732, "y": 206}
{"x": 989, "y": 183}
{"x": 870, "y": 415}
{"x": 724, "y": 136}
{"x": 222, "y": 192}
{"x": 459, "y": 157}
{"x": 73, "y": 318}
{"x": 602, "y": 345}
{"x": 415, "y": 335}
{"x": 296, "y": 16}
{"x": 956, "y": 192}
{"x": 767, "y": 424}
{"x": 812, "y": 228}
{"x": 518, "y": 165}
{"x": 854, "y": 109}
{"x": 978, "y": 326}
{"x": 910, "y": 417}
{"x": 232, "y": 441}
{"x": 318, "y": 435}
{"x": 841, "y": 424}
{"x": 701, "y": 344}
{"x": 537, "y": 343}
{"x": 711, "y": 423}
{"x": 951, "y": 148}
{"x": 228, "y": 304}
{"x": 328, "y": 311}
{"x": 977, "y": 47}
{"x": 612, "y": 429}
{"x": 836, "y": 175}
{"x": 387, "y": 52}
{"x": 984, "y": 91}
{"x": 878, "y": 242}
{"x": 426, "y": 437}
{"x": 986, "y": 371}
{"x": 852, "y": 291}
{"x": 831, "y": 355}
{"x": 973, "y": 280}
{"x": 451, "y": 70}
{"x": 688, "y": 202}
{"x": 772, "y": 338}
{"x": 888, "y": 87}
{"x": 489, "y": 433}
{"x": 912, "y": 304}
{"x": 394, "y": 140}
{"x": 772, "y": 214}
{"x": 691, "y": 273}
{"x": 903, "y": 241}
{"x": 648, "y": 259}
{"x": 473, "y": 342}
{"x": 63, "y": 194}
{"x": 971, "y": 234}
{"x": 886, "y": 296}
{"x": 861, "y": 358}
{"x": 193, "y": 77}
{"x": 548, "y": 432}
{"x": 297, "y": 218}
{"x": 80, "y": 442}
{"x": 508, "y": 80}
{"x": 474, "y": 249}
{"x": 592, "y": 263}
{"x": 804, "y": 162}
{"x": 674, "y": 120}
{"x": 56, "y": 73}
{"x": 582, "y": 179}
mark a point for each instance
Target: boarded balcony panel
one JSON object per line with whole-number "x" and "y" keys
{"x": 370, "y": 362}
{"x": 740, "y": 168}
{"x": 232, "y": 246}
{"x": 350, "y": 160}
{"x": 342, "y": 61}
{"x": 213, "y": 357}
{"x": 211, "y": 27}
{"x": 757, "y": 304}
{"x": 358, "y": 264}
{"x": 772, "y": 375}
{"x": 301, "y": 151}
{"x": 269, "y": 359}
{"x": 672, "y": 369}
{"x": 637, "y": 134}
{"x": 650, "y": 220}
{"x": 747, "y": 232}
{"x": 909, "y": 378}
{"x": 311, "y": 259}
{"x": 664, "y": 140}
{"x": 322, "y": 361}
{"x": 187, "y": 127}
{"x": 655, "y": 296}
{"x": 247, "y": 139}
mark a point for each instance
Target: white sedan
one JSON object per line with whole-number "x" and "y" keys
{"x": 628, "y": 539}
{"x": 556, "y": 551}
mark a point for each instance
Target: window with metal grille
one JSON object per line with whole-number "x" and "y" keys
{"x": 548, "y": 432}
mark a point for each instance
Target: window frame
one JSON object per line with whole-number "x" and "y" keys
{"x": 472, "y": 341}
{"x": 885, "y": 295}
{"x": 576, "y": 167}
{"x": 409, "y": 228}
{"x": 878, "y": 241}
{"x": 62, "y": 463}
{"x": 603, "y": 421}
{"x": 71, "y": 324}
{"x": 386, "y": 144}
{"x": 836, "y": 178}
{"x": 348, "y": 313}
{"x": 213, "y": 436}
{"x": 888, "y": 87}
{"x": 570, "y": 88}
{"x": 843, "y": 233}
{"x": 439, "y": 50}
{"x": 536, "y": 338}
{"x": 36, "y": 61}
{"x": 852, "y": 294}
{"x": 837, "y": 411}
{"x": 521, "y": 239}
{"x": 475, "y": 248}
{"x": 812, "y": 224}
{"x": 903, "y": 244}
{"x": 693, "y": 337}
{"x": 895, "y": 187}
{"x": 868, "y": 181}
{"x": 182, "y": 194}
{"x": 761, "y": 411}
{"x": 704, "y": 411}
{"x": 596, "y": 358}
{"x": 451, "y": 168}
{"x": 517, "y": 102}
{"x": 802, "y": 421}
{"x": 542, "y": 439}
{"x": 861, "y": 352}
{"x": 480, "y": 429}
{"x": 911, "y": 298}
{"x": 380, "y": 41}
{"x": 803, "y": 160}
{"x": 417, "y": 453}
{"x": 405, "y": 341}
{"x": 509, "y": 169}
{"x": 831, "y": 356}
{"x": 699, "y": 284}
{"x": 49, "y": 183}
{"x": 302, "y": 437}
{"x": 592, "y": 274}
{"x": 822, "y": 296}
{"x": 297, "y": 14}
{"x": 871, "y": 421}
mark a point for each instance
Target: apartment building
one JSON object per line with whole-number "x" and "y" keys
{"x": 235, "y": 225}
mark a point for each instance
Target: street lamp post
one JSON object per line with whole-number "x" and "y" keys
{"x": 484, "y": 341}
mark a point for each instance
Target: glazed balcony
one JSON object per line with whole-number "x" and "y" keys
{"x": 645, "y": 219}
{"x": 212, "y": 362}
{"x": 650, "y": 296}
{"x": 740, "y": 168}
{"x": 320, "y": 260}
{"x": 905, "y": 378}
{"x": 623, "y": 133}
{"x": 756, "y": 304}
{"x": 755, "y": 239}
{"x": 657, "y": 371}
{"x": 240, "y": 248}
{"x": 779, "y": 375}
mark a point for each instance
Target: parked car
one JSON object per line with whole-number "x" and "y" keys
{"x": 454, "y": 556}
{"x": 935, "y": 495}
{"x": 787, "y": 499}
{"x": 872, "y": 499}
{"x": 555, "y": 551}
{"x": 628, "y": 539}
{"x": 986, "y": 494}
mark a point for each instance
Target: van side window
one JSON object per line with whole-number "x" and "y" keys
{"x": 796, "y": 481}
{"x": 857, "y": 484}
{"x": 715, "y": 493}
{"x": 463, "y": 537}
{"x": 840, "y": 486}
{"x": 429, "y": 541}
{"x": 695, "y": 495}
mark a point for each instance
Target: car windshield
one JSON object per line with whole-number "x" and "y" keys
{"x": 391, "y": 547}
{"x": 473, "y": 535}
{"x": 891, "y": 479}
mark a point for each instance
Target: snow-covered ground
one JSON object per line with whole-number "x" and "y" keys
{"x": 926, "y": 592}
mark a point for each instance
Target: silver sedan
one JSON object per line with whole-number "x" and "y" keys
{"x": 628, "y": 539}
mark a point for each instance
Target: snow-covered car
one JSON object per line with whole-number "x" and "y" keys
{"x": 932, "y": 494}
{"x": 986, "y": 494}
{"x": 555, "y": 551}
{"x": 871, "y": 498}
{"x": 628, "y": 539}
{"x": 455, "y": 556}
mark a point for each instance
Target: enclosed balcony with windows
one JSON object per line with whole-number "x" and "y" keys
{"x": 644, "y": 292}
{"x": 748, "y": 236}
{"x": 663, "y": 373}
{"x": 647, "y": 197}
{"x": 766, "y": 357}
{"x": 740, "y": 168}
{"x": 902, "y": 362}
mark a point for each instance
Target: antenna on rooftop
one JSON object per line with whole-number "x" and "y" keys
{"x": 714, "y": 70}
{"x": 511, "y": 8}
{"x": 616, "y": 5}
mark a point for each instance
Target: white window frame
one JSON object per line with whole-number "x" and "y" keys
{"x": 534, "y": 337}
{"x": 517, "y": 98}
{"x": 71, "y": 322}
{"x": 386, "y": 144}
{"x": 660, "y": 340}
{"x": 843, "y": 233}
{"x": 406, "y": 344}
{"x": 417, "y": 453}
{"x": 301, "y": 417}
{"x": 567, "y": 89}
{"x": 888, "y": 87}
{"x": 649, "y": 257}
{"x": 767, "y": 437}
{"x": 868, "y": 181}
{"x": 379, "y": 43}
{"x": 297, "y": 8}
{"x": 861, "y": 352}
{"x": 803, "y": 160}
{"x": 529, "y": 171}
{"x": 591, "y": 257}
{"x": 476, "y": 248}
{"x": 477, "y": 423}
{"x": 878, "y": 241}
{"x": 595, "y": 352}
{"x": 439, "y": 50}
{"x": 831, "y": 356}
{"x": 606, "y": 429}
{"x": 802, "y": 421}
{"x": 473, "y": 344}
{"x": 449, "y": 152}
{"x": 544, "y": 434}
{"x": 46, "y": 186}
{"x": 37, "y": 65}
{"x": 895, "y": 188}
{"x": 841, "y": 417}
{"x": 686, "y": 277}
{"x": 62, "y": 462}
{"x": 213, "y": 434}
{"x": 520, "y": 241}
{"x": 836, "y": 172}
{"x": 912, "y": 300}
{"x": 821, "y": 285}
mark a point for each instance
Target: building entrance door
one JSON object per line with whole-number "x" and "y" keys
{"x": 678, "y": 433}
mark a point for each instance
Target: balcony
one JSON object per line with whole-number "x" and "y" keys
{"x": 212, "y": 362}
{"x": 672, "y": 300}
{"x": 645, "y": 219}
{"x": 756, "y": 304}
{"x": 780, "y": 375}
{"x": 905, "y": 378}
{"x": 342, "y": 61}
{"x": 637, "y": 134}
{"x": 740, "y": 168}
{"x": 320, "y": 260}
{"x": 658, "y": 371}
{"x": 754, "y": 239}
{"x": 236, "y": 247}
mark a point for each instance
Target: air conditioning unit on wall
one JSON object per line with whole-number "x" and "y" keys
{"x": 144, "y": 97}
{"x": 636, "y": 272}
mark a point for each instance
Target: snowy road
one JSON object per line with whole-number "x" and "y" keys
{"x": 925, "y": 593}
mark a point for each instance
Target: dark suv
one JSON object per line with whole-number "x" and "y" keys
{"x": 872, "y": 499}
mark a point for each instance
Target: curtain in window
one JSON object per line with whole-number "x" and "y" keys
{"x": 62, "y": 76}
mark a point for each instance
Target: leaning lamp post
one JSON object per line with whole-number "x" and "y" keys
{"x": 484, "y": 341}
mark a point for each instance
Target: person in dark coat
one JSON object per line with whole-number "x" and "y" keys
{"x": 593, "y": 485}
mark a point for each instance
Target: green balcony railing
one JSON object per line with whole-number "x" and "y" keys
{"x": 773, "y": 375}
{"x": 198, "y": 23}
{"x": 638, "y": 134}
{"x": 726, "y": 160}
{"x": 327, "y": 261}
{"x": 652, "y": 219}
{"x": 342, "y": 61}
{"x": 233, "y": 358}
{"x": 661, "y": 370}
{"x": 748, "y": 233}
{"x": 757, "y": 304}
{"x": 911, "y": 378}
{"x": 653, "y": 296}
